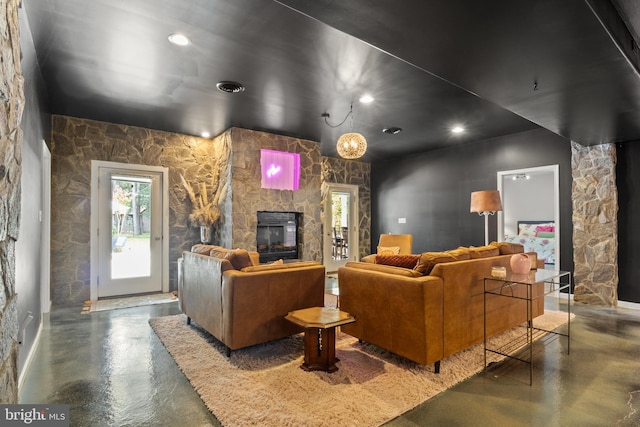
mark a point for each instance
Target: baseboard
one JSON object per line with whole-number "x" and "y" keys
{"x": 628, "y": 305}
{"x": 621, "y": 304}
{"x": 32, "y": 352}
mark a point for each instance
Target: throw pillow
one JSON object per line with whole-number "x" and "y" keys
{"x": 388, "y": 250}
{"x": 405, "y": 261}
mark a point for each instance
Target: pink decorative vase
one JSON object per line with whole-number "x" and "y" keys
{"x": 520, "y": 264}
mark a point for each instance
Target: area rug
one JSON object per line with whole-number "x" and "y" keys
{"x": 264, "y": 385}
{"x": 128, "y": 302}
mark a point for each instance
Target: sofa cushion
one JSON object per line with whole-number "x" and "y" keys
{"x": 406, "y": 272}
{"x": 483, "y": 251}
{"x": 269, "y": 267}
{"x": 239, "y": 258}
{"x": 507, "y": 248}
{"x": 388, "y": 250}
{"x": 429, "y": 259}
{"x": 203, "y": 249}
{"x": 405, "y": 261}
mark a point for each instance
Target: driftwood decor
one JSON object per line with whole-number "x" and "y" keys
{"x": 205, "y": 212}
{"x": 209, "y": 193}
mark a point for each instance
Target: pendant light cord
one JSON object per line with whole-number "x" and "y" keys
{"x": 350, "y": 113}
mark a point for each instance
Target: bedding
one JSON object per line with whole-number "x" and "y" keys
{"x": 536, "y": 236}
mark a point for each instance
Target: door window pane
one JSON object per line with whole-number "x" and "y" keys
{"x": 130, "y": 227}
{"x": 340, "y": 225}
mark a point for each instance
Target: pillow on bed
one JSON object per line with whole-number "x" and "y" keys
{"x": 545, "y": 229}
{"x": 530, "y": 230}
{"x": 527, "y": 230}
{"x": 546, "y": 234}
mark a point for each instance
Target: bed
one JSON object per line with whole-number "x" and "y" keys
{"x": 537, "y": 236}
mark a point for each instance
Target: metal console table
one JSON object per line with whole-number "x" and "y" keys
{"x": 521, "y": 287}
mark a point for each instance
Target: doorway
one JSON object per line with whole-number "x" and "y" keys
{"x": 531, "y": 196}
{"x": 128, "y": 222}
{"x": 341, "y": 238}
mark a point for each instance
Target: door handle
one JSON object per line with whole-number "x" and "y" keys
{"x": 157, "y": 238}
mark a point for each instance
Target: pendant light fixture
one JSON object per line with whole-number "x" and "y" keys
{"x": 350, "y": 145}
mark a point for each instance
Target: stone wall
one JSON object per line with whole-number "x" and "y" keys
{"x": 74, "y": 144}
{"x": 12, "y": 95}
{"x": 340, "y": 171}
{"x": 248, "y": 198}
{"x": 232, "y": 157}
{"x": 595, "y": 225}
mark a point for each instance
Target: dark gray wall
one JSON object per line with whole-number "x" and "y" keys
{"x": 628, "y": 176}
{"x": 432, "y": 190}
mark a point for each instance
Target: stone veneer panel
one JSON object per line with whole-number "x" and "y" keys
{"x": 248, "y": 197}
{"x": 340, "y": 171}
{"x": 74, "y": 144}
{"x": 12, "y": 95}
{"x": 595, "y": 224}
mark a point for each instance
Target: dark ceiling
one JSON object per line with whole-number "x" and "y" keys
{"x": 497, "y": 67}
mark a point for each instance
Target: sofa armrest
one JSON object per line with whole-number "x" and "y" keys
{"x": 201, "y": 290}
{"x": 255, "y": 303}
{"x": 399, "y": 313}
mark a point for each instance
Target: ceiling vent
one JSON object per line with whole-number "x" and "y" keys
{"x": 393, "y": 130}
{"x": 230, "y": 87}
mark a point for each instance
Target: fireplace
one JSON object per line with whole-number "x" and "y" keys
{"x": 277, "y": 235}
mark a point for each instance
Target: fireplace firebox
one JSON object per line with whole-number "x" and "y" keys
{"x": 277, "y": 235}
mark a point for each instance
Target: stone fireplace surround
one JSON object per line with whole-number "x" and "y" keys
{"x": 234, "y": 156}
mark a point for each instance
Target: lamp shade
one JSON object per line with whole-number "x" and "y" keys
{"x": 485, "y": 201}
{"x": 351, "y": 145}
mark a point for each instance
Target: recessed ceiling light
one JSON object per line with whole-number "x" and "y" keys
{"x": 393, "y": 130}
{"x": 205, "y": 134}
{"x": 457, "y": 129}
{"x": 230, "y": 87}
{"x": 179, "y": 39}
{"x": 366, "y": 99}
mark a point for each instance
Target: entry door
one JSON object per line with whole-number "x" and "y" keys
{"x": 129, "y": 234}
{"x": 341, "y": 240}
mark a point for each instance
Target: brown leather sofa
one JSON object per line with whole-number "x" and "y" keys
{"x": 246, "y": 306}
{"x": 426, "y": 318}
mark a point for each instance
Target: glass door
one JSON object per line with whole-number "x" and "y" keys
{"x": 130, "y": 232}
{"x": 340, "y": 226}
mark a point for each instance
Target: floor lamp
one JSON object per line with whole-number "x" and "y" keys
{"x": 486, "y": 203}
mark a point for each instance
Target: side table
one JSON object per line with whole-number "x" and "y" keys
{"x": 521, "y": 286}
{"x": 319, "y": 325}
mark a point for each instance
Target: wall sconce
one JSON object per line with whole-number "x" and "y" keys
{"x": 486, "y": 203}
{"x": 350, "y": 145}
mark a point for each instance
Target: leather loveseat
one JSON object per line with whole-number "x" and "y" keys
{"x": 241, "y": 303}
{"x": 427, "y": 317}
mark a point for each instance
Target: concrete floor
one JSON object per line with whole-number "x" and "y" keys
{"x": 113, "y": 371}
